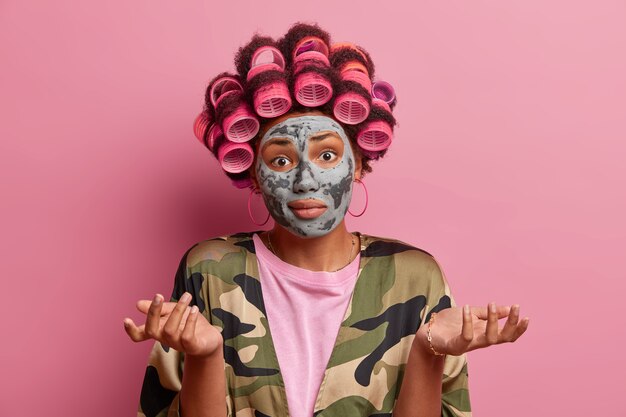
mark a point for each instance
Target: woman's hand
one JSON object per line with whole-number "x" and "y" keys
{"x": 456, "y": 330}
{"x": 175, "y": 325}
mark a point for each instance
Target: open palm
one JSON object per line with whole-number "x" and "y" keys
{"x": 458, "y": 330}
{"x": 175, "y": 325}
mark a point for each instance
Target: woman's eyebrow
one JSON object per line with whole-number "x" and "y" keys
{"x": 322, "y": 136}
{"x": 279, "y": 141}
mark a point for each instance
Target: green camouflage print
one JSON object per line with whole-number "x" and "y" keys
{"x": 397, "y": 289}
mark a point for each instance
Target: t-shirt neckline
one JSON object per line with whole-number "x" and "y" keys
{"x": 323, "y": 278}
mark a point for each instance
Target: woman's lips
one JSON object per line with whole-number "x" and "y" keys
{"x": 307, "y": 209}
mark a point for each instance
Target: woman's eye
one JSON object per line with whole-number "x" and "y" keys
{"x": 280, "y": 161}
{"x": 328, "y": 156}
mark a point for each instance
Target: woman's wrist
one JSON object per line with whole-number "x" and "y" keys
{"x": 218, "y": 353}
{"x": 422, "y": 345}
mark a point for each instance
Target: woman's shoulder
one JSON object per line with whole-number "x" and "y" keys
{"x": 414, "y": 269}
{"x": 379, "y": 246}
{"x": 216, "y": 248}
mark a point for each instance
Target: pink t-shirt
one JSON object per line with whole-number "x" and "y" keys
{"x": 304, "y": 311}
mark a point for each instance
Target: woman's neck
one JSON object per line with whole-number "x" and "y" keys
{"x": 329, "y": 252}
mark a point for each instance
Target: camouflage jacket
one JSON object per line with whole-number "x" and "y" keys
{"x": 397, "y": 289}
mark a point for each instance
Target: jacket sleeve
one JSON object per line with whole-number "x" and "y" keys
{"x": 164, "y": 373}
{"x": 455, "y": 390}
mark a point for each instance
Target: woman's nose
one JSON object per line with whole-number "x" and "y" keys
{"x": 305, "y": 180}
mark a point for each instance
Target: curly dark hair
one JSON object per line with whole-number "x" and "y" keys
{"x": 339, "y": 56}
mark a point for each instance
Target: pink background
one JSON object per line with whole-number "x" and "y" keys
{"x": 508, "y": 166}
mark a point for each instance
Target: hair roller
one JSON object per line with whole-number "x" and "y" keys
{"x": 352, "y": 105}
{"x": 344, "y": 54}
{"x": 354, "y": 66}
{"x": 235, "y": 157}
{"x": 235, "y": 116}
{"x": 200, "y": 126}
{"x": 308, "y": 59}
{"x": 312, "y": 88}
{"x": 376, "y": 102}
{"x": 265, "y": 58}
{"x": 357, "y": 76}
{"x": 348, "y": 45}
{"x": 240, "y": 125}
{"x": 214, "y": 138}
{"x": 375, "y": 136}
{"x": 310, "y": 44}
{"x": 376, "y": 133}
{"x": 300, "y": 38}
{"x": 243, "y": 57}
{"x": 222, "y": 87}
{"x": 272, "y": 97}
{"x": 384, "y": 91}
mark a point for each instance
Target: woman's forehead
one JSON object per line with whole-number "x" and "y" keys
{"x": 323, "y": 138}
{"x": 303, "y": 127}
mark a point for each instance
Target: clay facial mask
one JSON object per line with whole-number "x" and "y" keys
{"x": 305, "y": 171}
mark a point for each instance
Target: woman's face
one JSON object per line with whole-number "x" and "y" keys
{"x": 305, "y": 169}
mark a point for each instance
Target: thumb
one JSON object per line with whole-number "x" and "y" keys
{"x": 144, "y": 307}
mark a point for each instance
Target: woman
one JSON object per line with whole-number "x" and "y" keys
{"x": 360, "y": 325}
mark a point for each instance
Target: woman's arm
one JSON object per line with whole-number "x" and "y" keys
{"x": 181, "y": 330}
{"x": 204, "y": 386}
{"x": 457, "y": 331}
{"x": 420, "y": 394}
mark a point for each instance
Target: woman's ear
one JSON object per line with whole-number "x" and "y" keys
{"x": 358, "y": 166}
{"x": 253, "y": 178}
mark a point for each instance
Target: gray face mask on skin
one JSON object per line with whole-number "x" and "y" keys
{"x": 306, "y": 180}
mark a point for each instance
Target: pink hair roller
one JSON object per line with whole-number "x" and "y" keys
{"x": 310, "y": 58}
{"x": 334, "y": 47}
{"x": 241, "y": 125}
{"x": 310, "y": 43}
{"x": 215, "y": 131}
{"x": 384, "y": 91}
{"x": 376, "y": 102}
{"x": 357, "y": 76}
{"x": 223, "y": 87}
{"x": 375, "y": 136}
{"x": 351, "y": 108}
{"x": 267, "y": 55}
{"x": 312, "y": 89}
{"x": 235, "y": 157}
{"x": 200, "y": 126}
{"x": 274, "y": 99}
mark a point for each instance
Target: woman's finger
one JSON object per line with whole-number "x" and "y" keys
{"x": 508, "y": 332}
{"x": 153, "y": 328}
{"x": 483, "y": 313}
{"x": 521, "y": 328}
{"x": 189, "y": 332}
{"x": 491, "y": 333}
{"x": 467, "y": 331}
{"x": 171, "y": 330}
{"x": 137, "y": 334}
{"x": 144, "y": 307}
